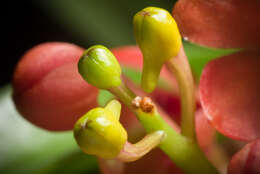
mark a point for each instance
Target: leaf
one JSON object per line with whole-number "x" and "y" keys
{"x": 199, "y": 56}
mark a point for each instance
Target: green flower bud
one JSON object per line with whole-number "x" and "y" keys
{"x": 157, "y": 35}
{"x": 100, "y": 133}
{"x": 99, "y": 67}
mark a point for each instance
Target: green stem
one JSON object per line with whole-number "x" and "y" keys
{"x": 124, "y": 94}
{"x": 184, "y": 152}
{"x": 180, "y": 68}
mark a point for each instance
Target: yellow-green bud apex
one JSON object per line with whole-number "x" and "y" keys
{"x": 158, "y": 37}
{"x": 115, "y": 107}
{"x": 100, "y": 133}
{"x": 99, "y": 67}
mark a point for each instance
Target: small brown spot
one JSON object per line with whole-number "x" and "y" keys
{"x": 147, "y": 105}
{"x": 145, "y": 13}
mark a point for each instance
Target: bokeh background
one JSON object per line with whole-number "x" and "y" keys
{"x": 24, "y": 148}
{"x": 83, "y": 22}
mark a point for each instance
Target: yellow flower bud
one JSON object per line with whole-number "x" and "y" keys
{"x": 158, "y": 37}
{"x": 100, "y": 133}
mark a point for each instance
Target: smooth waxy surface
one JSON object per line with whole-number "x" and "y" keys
{"x": 158, "y": 37}
{"x": 100, "y": 133}
{"x": 222, "y": 24}
{"x": 99, "y": 67}
{"x": 229, "y": 91}
{"x": 47, "y": 88}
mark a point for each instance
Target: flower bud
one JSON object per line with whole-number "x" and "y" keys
{"x": 100, "y": 133}
{"x": 158, "y": 36}
{"x": 99, "y": 67}
{"x": 48, "y": 90}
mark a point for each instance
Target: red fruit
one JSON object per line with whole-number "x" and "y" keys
{"x": 219, "y": 23}
{"x": 247, "y": 160}
{"x": 230, "y": 97}
{"x": 48, "y": 90}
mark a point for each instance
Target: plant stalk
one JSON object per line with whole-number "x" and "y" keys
{"x": 184, "y": 152}
{"x": 180, "y": 68}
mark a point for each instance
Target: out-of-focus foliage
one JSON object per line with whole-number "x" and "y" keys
{"x": 26, "y": 149}
{"x": 199, "y": 56}
{"x": 99, "y": 21}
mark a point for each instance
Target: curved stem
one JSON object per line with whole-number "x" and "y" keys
{"x": 184, "y": 152}
{"x": 124, "y": 94}
{"x": 180, "y": 68}
{"x": 133, "y": 152}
